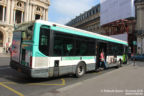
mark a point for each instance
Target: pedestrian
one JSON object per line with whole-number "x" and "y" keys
{"x": 7, "y": 47}
{"x": 102, "y": 60}
{"x": 125, "y": 58}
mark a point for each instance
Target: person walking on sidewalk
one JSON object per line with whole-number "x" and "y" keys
{"x": 7, "y": 47}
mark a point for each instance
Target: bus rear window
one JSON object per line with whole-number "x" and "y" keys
{"x": 26, "y": 30}
{"x": 28, "y": 33}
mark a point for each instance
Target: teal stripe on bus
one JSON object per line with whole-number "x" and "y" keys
{"x": 88, "y": 57}
{"x": 70, "y": 58}
{"x": 78, "y": 58}
{"x": 36, "y": 52}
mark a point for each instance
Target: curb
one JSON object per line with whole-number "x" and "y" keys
{"x": 4, "y": 55}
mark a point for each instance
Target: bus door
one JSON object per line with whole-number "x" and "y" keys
{"x": 97, "y": 56}
{"x": 56, "y": 68}
{"x": 101, "y": 46}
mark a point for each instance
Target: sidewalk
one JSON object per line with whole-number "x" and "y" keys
{"x": 4, "y": 54}
{"x": 125, "y": 81}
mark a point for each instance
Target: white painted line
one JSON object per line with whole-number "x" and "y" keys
{"x": 69, "y": 87}
{"x": 4, "y": 68}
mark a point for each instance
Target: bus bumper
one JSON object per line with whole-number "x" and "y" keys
{"x": 34, "y": 73}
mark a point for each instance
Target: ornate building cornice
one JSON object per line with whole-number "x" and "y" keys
{"x": 3, "y": 2}
{"x": 20, "y": 5}
{"x": 45, "y": 3}
{"x": 139, "y": 1}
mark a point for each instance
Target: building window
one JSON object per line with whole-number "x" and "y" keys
{"x": 91, "y": 12}
{"x": 19, "y": 16}
{"x": 38, "y": 13}
{"x": 98, "y": 9}
{"x": 1, "y": 13}
{"x": 5, "y": 14}
{"x": 1, "y": 39}
{"x": 83, "y": 17}
{"x": 37, "y": 16}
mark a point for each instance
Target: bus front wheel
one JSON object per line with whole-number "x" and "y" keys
{"x": 80, "y": 70}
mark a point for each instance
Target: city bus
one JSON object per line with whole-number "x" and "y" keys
{"x": 41, "y": 49}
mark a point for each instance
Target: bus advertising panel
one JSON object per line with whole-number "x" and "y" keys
{"x": 16, "y": 46}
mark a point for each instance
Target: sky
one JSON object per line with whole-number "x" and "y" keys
{"x": 62, "y": 11}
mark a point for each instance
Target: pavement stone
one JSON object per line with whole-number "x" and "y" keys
{"x": 4, "y": 54}
{"x": 125, "y": 81}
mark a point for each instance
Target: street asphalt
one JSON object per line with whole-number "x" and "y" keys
{"x": 13, "y": 83}
{"x": 125, "y": 81}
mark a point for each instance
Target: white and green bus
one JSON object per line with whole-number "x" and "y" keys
{"x": 42, "y": 49}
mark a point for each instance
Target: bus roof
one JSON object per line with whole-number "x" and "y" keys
{"x": 82, "y": 32}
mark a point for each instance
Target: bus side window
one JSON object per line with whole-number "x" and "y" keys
{"x": 44, "y": 40}
{"x": 81, "y": 47}
{"x": 69, "y": 50}
{"x": 63, "y": 45}
{"x": 58, "y": 47}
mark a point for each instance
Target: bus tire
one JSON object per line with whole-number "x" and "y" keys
{"x": 80, "y": 69}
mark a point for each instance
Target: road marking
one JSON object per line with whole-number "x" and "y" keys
{"x": 97, "y": 72}
{"x": 11, "y": 89}
{"x": 8, "y": 82}
{"x": 69, "y": 87}
{"x": 46, "y": 84}
{"x": 4, "y": 68}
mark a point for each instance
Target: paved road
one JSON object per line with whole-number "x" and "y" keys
{"x": 126, "y": 81}
{"x": 13, "y": 83}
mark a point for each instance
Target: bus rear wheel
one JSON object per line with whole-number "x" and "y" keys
{"x": 80, "y": 70}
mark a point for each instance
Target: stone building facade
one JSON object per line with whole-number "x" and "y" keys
{"x": 18, "y": 11}
{"x": 90, "y": 20}
{"x": 140, "y": 25}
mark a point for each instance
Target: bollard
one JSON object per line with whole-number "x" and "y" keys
{"x": 134, "y": 62}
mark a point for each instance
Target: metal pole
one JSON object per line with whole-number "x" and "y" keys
{"x": 141, "y": 44}
{"x": 134, "y": 56}
{"x": 134, "y": 62}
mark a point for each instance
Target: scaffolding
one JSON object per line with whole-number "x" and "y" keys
{"x": 122, "y": 26}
